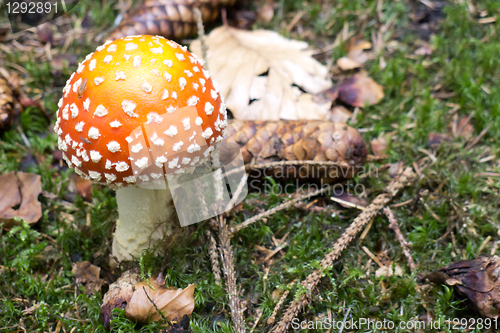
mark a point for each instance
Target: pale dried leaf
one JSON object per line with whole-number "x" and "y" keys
{"x": 346, "y": 63}
{"x": 236, "y": 58}
{"x": 357, "y": 52}
{"x": 22, "y": 189}
{"x": 360, "y": 44}
{"x": 171, "y": 302}
{"x": 387, "y": 271}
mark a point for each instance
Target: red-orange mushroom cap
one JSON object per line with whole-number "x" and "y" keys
{"x": 140, "y": 94}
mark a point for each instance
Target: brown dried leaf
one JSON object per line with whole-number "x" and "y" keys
{"x": 22, "y": 189}
{"x": 358, "y": 90}
{"x": 462, "y": 128}
{"x": 477, "y": 279}
{"x": 171, "y": 302}
{"x": 266, "y": 13}
{"x": 380, "y": 146}
{"x": 395, "y": 169}
{"x": 238, "y": 58}
{"x": 119, "y": 294}
{"x": 87, "y": 275}
{"x": 81, "y": 186}
{"x": 435, "y": 139}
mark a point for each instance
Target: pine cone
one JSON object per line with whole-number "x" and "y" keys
{"x": 173, "y": 19}
{"x": 267, "y": 141}
{"x": 7, "y": 102}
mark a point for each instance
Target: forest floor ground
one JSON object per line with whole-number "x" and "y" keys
{"x": 437, "y": 66}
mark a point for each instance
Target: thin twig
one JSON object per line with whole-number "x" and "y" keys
{"x": 479, "y": 137}
{"x": 347, "y": 203}
{"x": 359, "y": 222}
{"x": 201, "y": 35}
{"x": 157, "y": 310}
{"x": 282, "y": 299}
{"x": 232, "y": 289}
{"x": 372, "y": 256}
{"x": 237, "y": 192}
{"x": 393, "y": 224}
{"x": 259, "y": 315}
{"x": 282, "y": 206}
{"x": 214, "y": 258}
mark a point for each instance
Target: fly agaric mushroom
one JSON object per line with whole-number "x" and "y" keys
{"x": 137, "y": 110}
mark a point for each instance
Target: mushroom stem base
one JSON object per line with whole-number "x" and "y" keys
{"x": 146, "y": 217}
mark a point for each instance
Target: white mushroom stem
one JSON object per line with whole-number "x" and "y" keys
{"x": 145, "y": 218}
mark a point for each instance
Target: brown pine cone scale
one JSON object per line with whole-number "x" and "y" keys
{"x": 173, "y": 19}
{"x": 319, "y": 141}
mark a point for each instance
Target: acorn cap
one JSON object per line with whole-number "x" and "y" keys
{"x": 137, "y": 109}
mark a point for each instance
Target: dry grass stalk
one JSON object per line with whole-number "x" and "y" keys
{"x": 366, "y": 216}
{"x": 393, "y": 224}
{"x": 282, "y": 206}
{"x": 278, "y": 306}
{"x": 232, "y": 289}
{"x": 214, "y": 258}
{"x": 201, "y": 35}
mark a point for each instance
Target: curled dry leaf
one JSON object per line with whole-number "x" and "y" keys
{"x": 119, "y": 294}
{"x": 477, "y": 279}
{"x": 358, "y": 90}
{"x": 87, "y": 275}
{"x": 150, "y": 297}
{"x": 21, "y": 189}
{"x": 239, "y": 59}
{"x": 131, "y": 295}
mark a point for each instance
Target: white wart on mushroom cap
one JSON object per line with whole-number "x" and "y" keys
{"x": 133, "y": 83}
